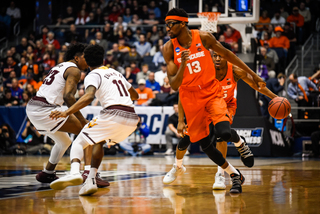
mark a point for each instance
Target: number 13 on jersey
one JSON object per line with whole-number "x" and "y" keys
{"x": 194, "y": 67}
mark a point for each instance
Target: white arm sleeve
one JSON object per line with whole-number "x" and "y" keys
{"x": 93, "y": 79}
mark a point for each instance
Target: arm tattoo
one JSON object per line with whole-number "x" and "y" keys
{"x": 236, "y": 77}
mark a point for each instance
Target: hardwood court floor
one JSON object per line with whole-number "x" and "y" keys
{"x": 273, "y": 185}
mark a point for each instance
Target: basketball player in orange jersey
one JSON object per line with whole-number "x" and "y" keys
{"x": 190, "y": 67}
{"x": 59, "y": 87}
{"x": 228, "y": 76}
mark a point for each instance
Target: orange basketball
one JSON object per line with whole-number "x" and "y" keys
{"x": 279, "y": 108}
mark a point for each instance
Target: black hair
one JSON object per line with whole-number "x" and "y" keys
{"x": 74, "y": 50}
{"x": 226, "y": 46}
{"x": 295, "y": 76}
{"x": 93, "y": 55}
{"x": 177, "y": 12}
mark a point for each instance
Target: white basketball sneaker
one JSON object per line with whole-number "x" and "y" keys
{"x": 89, "y": 187}
{"x": 68, "y": 180}
{"x": 219, "y": 182}
{"x": 172, "y": 175}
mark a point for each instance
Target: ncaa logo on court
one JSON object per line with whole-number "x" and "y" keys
{"x": 253, "y": 136}
{"x": 177, "y": 50}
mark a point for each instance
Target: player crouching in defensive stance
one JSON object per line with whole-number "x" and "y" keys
{"x": 115, "y": 122}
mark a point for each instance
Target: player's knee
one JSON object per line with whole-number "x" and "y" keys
{"x": 223, "y": 130}
{"x": 234, "y": 136}
{"x": 184, "y": 143}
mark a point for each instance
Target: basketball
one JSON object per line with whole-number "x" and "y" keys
{"x": 279, "y": 108}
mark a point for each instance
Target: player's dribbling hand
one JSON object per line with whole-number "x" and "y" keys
{"x": 57, "y": 114}
{"x": 181, "y": 128}
{"x": 185, "y": 56}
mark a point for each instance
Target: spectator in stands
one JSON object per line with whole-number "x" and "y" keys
{"x": 90, "y": 32}
{"x": 8, "y": 82}
{"x": 72, "y": 35}
{"x": 144, "y": 74}
{"x": 117, "y": 55}
{"x": 16, "y": 91}
{"x": 132, "y": 55}
{"x": 153, "y": 84}
{"x": 136, "y": 8}
{"x": 135, "y": 22}
{"x": 166, "y": 87}
{"x": 151, "y": 20}
{"x": 30, "y": 53}
{"x": 48, "y": 62}
{"x": 123, "y": 47}
{"x": 298, "y": 90}
{"x": 231, "y": 37}
{"x": 118, "y": 33}
{"x": 14, "y": 13}
{"x": 30, "y": 89}
{"x": 7, "y": 139}
{"x": 50, "y": 40}
{"x": 82, "y": 18}
{"x": 307, "y": 18}
{"x": 6, "y": 21}
{"x": 160, "y": 75}
{"x": 299, "y": 21}
{"x": 153, "y": 8}
{"x": 271, "y": 53}
{"x": 134, "y": 67}
{"x": 143, "y": 47}
{"x": 275, "y": 85}
{"x": 108, "y": 61}
{"x": 120, "y": 22}
{"x": 11, "y": 65}
{"x": 277, "y": 19}
{"x": 145, "y": 94}
{"x": 266, "y": 61}
{"x": 154, "y": 34}
{"x": 69, "y": 17}
{"x": 108, "y": 33}
{"x": 29, "y": 79}
{"x": 158, "y": 57}
{"x": 115, "y": 13}
{"x": 9, "y": 100}
{"x": 100, "y": 41}
{"x": 22, "y": 47}
{"x": 284, "y": 13}
{"x": 172, "y": 131}
{"x": 280, "y": 41}
{"x": 33, "y": 66}
{"x": 136, "y": 143}
{"x": 288, "y": 32}
{"x": 263, "y": 19}
{"x": 315, "y": 78}
{"x": 26, "y": 96}
{"x": 264, "y": 38}
{"x": 127, "y": 17}
{"x": 130, "y": 77}
{"x": 144, "y": 14}
{"x": 99, "y": 17}
{"x": 39, "y": 50}
{"x": 128, "y": 36}
{"x": 16, "y": 56}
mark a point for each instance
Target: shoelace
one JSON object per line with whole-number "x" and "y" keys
{"x": 236, "y": 181}
{"x": 245, "y": 151}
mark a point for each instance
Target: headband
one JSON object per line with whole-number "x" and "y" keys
{"x": 178, "y": 18}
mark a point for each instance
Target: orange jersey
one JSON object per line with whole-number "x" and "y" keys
{"x": 229, "y": 87}
{"x": 199, "y": 61}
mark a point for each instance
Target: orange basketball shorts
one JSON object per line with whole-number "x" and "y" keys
{"x": 202, "y": 104}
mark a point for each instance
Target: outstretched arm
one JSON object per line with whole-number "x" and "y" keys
{"x": 85, "y": 100}
{"x": 247, "y": 78}
{"x": 210, "y": 42}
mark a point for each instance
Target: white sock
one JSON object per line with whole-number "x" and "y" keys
{"x": 75, "y": 168}
{"x": 87, "y": 167}
{"x": 220, "y": 170}
{"x": 93, "y": 173}
{"x": 230, "y": 169}
{"x": 48, "y": 171}
{"x": 179, "y": 162}
{"x": 237, "y": 144}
